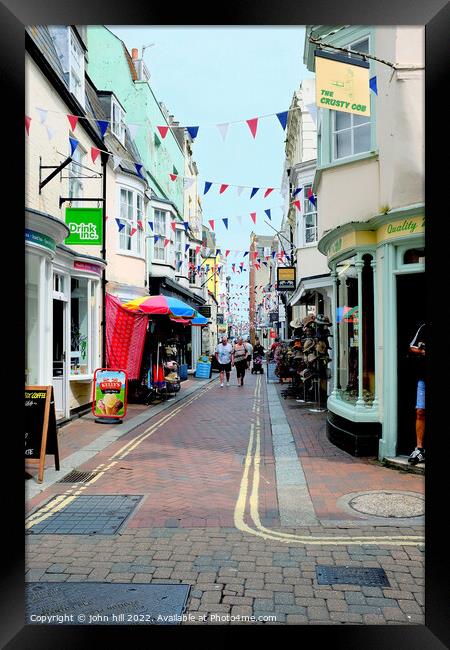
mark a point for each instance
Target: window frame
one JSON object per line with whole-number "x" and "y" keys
{"x": 120, "y": 135}
{"x": 80, "y": 153}
{"x": 136, "y": 245}
{"x": 162, "y": 233}
{"x": 306, "y": 213}
{"x": 77, "y": 68}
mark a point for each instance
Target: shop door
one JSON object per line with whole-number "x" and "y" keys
{"x": 411, "y": 313}
{"x": 59, "y": 357}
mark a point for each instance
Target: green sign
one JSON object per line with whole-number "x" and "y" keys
{"x": 40, "y": 239}
{"x": 85, "y": 225}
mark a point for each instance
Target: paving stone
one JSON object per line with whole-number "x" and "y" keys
{"x": 57, "y": 568}
{"x": 241, "y": 610}
{"x": 211, "y": 597}
{"x": 263, "y": 604}
{"x": 296, "y": 619}
{"x": 374, "y": 592}
{"x": 346, "y": 617}
{"x": 393, "y": 614}
{"x": 33, "y": 575}
{"x": 355, "y": 598}
{"x": 303, "y": 590}
{"x": 274, "y": 586}
{"x": 310, "y": 602}
{"x": 364, "y": 609}
{"x": 287, "y": 609}
{"x": 336, "y": 605}
{"x": 410, "y": 607}
{"x": 254, "y": 584}
{"x": 54, "y": 577}
{"x": 292, "y": 572}
{"x": 237, "y": 600}
{"x": 318, "y": 613}
{"x": 374, "y": 619}
{"x": 381, "y": 602}
{"x": 284, "y": 598}
{"x": 163, "y": 572}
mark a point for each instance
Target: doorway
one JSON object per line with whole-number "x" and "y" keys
{"x": 59, "y": 357}
{"x": 411, "y": 313}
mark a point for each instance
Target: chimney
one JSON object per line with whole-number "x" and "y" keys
{"x": 134, "y": 54}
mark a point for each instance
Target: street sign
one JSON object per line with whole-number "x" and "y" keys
{"x": 286, "y": 278}
{"x": 40, "y": 426}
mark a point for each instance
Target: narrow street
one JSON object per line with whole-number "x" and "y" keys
{"x": 241, "y": 497}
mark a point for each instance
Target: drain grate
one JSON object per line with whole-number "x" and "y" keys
{"x": 85, "y": 515}
{"x": 77, "y": 476}
{"x": 363, "y": 576}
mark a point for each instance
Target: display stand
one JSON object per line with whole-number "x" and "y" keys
{"x": 318, "y": 408}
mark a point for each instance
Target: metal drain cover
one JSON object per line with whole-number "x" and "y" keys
{"x": 365, "y": 577}
{"x": 389, "y": 504}
{"x": 82, "y": 603}
{"x": 85, "y": 515}
{"x": 77, "y": 476}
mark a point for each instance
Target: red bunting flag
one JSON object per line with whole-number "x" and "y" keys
{"x": 255, "y": 254}
{"x": 211, "y": 223}
{"x": 140, "y": 224}
{"x": 173, "y": 225}
{"x": 173, "y": 177}
{"x": 297, "y": 204}
{"x": 27, "y": 124}
{"x": 197, "y": 250}
{"x": 132, "y": 231}
{"x": 163, "y": 131}
{"x": 94, "y": 153}
{"x": 223, "y": 187}
{"x": 253, "y": 216}
{"x": 253, "y": 125}
{"x": 166, "y": 241}
{"x": 227, "y": 253}
{"x": 73, "y": 119}
{"x": 268, "y": 191}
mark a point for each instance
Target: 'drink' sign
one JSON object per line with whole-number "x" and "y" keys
{"x": 342, "y": 84}
{"x": 85, "y": 225}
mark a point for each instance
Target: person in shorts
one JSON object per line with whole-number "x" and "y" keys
{"x": 224, "y": 356}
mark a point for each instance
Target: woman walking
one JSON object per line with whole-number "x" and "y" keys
{"x": 240, "y": 352}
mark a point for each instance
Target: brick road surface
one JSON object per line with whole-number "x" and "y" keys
{"x": 191, "y": 466}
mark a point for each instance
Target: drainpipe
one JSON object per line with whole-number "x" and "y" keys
{"x": 104, "y": 158}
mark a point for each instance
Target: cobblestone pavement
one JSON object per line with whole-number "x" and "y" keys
{"x": 210, "y": 518}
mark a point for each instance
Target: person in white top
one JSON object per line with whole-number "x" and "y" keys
{"x": 224, "y": 356}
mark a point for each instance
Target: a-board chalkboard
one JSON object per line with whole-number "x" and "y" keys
{"x": 40, "y": 426}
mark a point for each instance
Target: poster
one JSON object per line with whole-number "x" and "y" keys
{"x": 110, "y": 393}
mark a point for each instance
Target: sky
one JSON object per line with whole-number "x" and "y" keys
{"x": 211, "y": 75}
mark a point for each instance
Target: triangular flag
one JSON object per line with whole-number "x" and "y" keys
{"x": 120, "y": 224}
{"x": 132, "y": 231}
{"x": 186, "y": 225}
{"x": 227, "y": 253}
{"x": 94, "y": 153}
{"x": 155, "y": 237}
{"x": 180, "y": 263}
{"x": 253, "y": 192}
{"x": 373, "y": 85}
{"x": 50, "y": 133}
{"x": 173, "y": 177}
{"x": 223, "y": 128}
{"x": 217, "y": 251}
{"x": 297, "y": 191}
{"x": 312, "y": 200}
{"x": 253, "y": 216}
{"x": 138, "y": 169}
{"x": 116, "y": 161}
{"x": 186, "y": 246}
{"x": 240, "y": 189}
{"x": 223, "y": 187}
{"x": 27, "y": 124}
{"x": 133, "y": 129}
{"x": 42, "y": 114}
{"x": 163, "y": 131}
{"x": 268, "y": 191}
{"x": 239, "y": 218}
{"x": 73, "y": 119}
{"x": 188, "y": 182}
{"x": 211, "y": 223}
{"x": 225, "y": 223}
{"x": 192, "y": 130}
{"x": 283, "y": 118}
{"x": 173, "y": 225}
{"x": 73, "y": 145}
{"x": 268, "y": 214}
{"x": 297, "y": 205}
{"x": 273, "y": 254}
{"x": 255, "y": 254}
{"x": 102, "y": 125}
{"x": 197, "y": 250}
{"x": 246, "y": 253}
{"x": 140, "y": 224}
{"x": 166, "y": 241}
{"x": 150, "y": 223}
{"x": 207, "y": 187}
{"x": 253, "y": 125}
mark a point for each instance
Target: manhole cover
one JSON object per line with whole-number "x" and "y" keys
{"x": 86, "y": 515}
{"x": 365, "y": 577}
{"x": 81, "y": 603}
{"x": 389, "y": 504}
{"x": 77, "y": 476}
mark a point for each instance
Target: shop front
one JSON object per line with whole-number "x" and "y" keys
{"x": 377, "y": 270}
{"x": 63, "y": 314}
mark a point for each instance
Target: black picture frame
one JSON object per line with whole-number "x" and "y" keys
{"x": 434, "y": 14}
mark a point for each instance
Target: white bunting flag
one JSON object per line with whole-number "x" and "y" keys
{"x": 240, "y": 190}
{"x": 223, "y": 128}
{"x": 239, "y": 218}
{"x": 116, "y": 162}
{"x": 312, "y": 110}
{"x": 50, "y": 133}
{"x": 188, "y": 182}
{"x": 42, "y": 114}
{"x": 133, "y": 128}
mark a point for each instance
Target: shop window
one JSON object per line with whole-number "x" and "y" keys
{"x": 414, "y": 256}
{"x": 159, "y": 250}
{"x": 79, "y": 347}
{"x": 32, "y": 337}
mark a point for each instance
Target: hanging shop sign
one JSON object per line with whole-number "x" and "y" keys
{"x": 342, "y": 84}
{"x": 205, "y": 310}
{"x": 40, "y": 426}
{"x": 286, "y": 278}
{"x": 273, "y": 316}
{"x": 110, "y": 393}
{"x": 85, "y": 226}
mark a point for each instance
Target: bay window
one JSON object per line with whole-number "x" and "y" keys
{"x": 159, "y": 250}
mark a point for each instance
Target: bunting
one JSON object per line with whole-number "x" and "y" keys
{"x": 223, "y": 129}
{"x": 225, "y": 223}
{"x": 133, "y": 129}
{"x": 253, "y": 192}
{"x": 166, "y": 241}
{"x": 268, "y": 191}
{"x": 120, "y": 224}
{"x": 186, "y": 225}
{"x": 73, "y": 146}
{"x": 138, "y": 169}
{"x": 253, "y": 125}
{"x": 73, "y": 119}
{"x": 207, "y": 187}
{"x": 116, "y": 161}
{"x": 373, "y": 85}
{"x": 223, "y": 187}
{"x": 132, "y": 231}
{"x": 268, "y": 214}
{"x": 50, "y": 133}
{"x": 211, "y": 223}
{"x": 102, "y": 125}
{"x": 283, "y": 118}
{"x": 163, "y": 131}
{"x": 193, "y": 131}
{"x": 150, "y": 223}
{"x": 27, "y": 124}
{"x": 173, "y": 177}
{"x": 94, "y": 153}
{"x": 42, "y": 114}
{"x": 253, "y": 216}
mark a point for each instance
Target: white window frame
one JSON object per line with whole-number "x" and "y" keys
{"x": 307, "y": 212}
{"x": 117, "y": 125}
{"x": 92, "y": 291}
{"x": 160, "y": 219}
{"x": 76, "y": 185}
{"x": 131, "y": 211}
{"x": 179, "y": 250}
{"x": 352, "y": 127}
{"x": 76, "y": 68}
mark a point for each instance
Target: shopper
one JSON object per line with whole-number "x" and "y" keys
{"x": 240, "y": 353}
{"x": 249, "y": 351}
{"x": 224, "y": 356}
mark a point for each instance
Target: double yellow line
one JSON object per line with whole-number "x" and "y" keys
{"x": 63, "y": 500}
{"x": 249, "y": 492}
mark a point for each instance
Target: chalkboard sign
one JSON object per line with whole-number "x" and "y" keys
{"x": 40, "y": 426}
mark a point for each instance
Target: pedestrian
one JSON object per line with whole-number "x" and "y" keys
{"x": 250, "y": 352}
{"x": 224, "y": 356}
{"x": 240, "y": 353}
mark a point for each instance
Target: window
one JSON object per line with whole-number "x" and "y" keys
{"x": 178, "y": 250}
{"x": 159, "y": 250}
{"x": 414, "y": 256}
{"x": 131, "y": 211}
{"x": 32, "y": 330}
{"x": 309, "y": 218}
{"x": 75, "y": 173}
{"x": 79, "y": 331}
{"x": 76, "y": 75}
{"x": 192, "y": 261}
{"x": 351, "y": 133}
{"x": 117, "y": 120}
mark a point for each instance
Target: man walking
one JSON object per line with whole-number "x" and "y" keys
{"x": 224, "y": 356}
